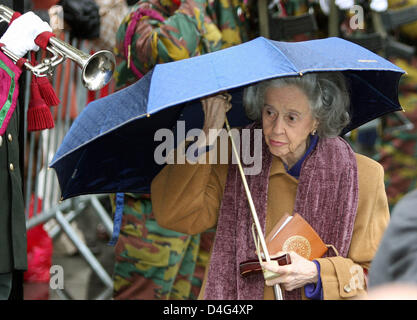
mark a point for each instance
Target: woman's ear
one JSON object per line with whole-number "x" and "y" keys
{"x": 315, "y": 126}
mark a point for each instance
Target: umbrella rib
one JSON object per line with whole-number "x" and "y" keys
{"x": 278, "y": 50}
{"x": 388, "y": 101}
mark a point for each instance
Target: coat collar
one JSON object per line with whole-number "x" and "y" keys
{"x": 278, "y": 167}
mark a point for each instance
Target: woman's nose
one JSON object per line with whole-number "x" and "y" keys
{"x": 278, "y": 126}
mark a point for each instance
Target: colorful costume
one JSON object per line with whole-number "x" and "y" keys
{"x": 397, "y": 151}
{"x": 153, "y": 262}
{"x": 163, "y": 31}
{"x": 12, "y": 216}
{"x": 24, "y": 33}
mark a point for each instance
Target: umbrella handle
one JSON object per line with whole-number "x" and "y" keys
{"x": 277, "y": 288}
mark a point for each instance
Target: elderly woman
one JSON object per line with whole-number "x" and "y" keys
{"x": 306, "y": 169}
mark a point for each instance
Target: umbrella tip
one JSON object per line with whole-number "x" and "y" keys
{"x": 148, "y": 115}
{"x": 301, "y": 74}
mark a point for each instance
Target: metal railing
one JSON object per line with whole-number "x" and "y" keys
{"x": 41, "y": 182}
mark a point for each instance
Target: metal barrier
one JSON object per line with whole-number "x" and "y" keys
{"x": 40, "y": 182}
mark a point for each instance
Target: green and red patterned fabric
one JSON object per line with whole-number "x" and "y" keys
{"x": 9, "y": 90}
{"x": 397, "y": 151}
{"x": 159, "y": 31}
{"x": 153, "y": 262}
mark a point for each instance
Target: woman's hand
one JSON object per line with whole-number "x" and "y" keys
{"x": 215, "y": 108}
{"x": 292, "y": 276}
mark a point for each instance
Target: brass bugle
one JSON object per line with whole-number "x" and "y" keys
{"x": 97, "y": 69}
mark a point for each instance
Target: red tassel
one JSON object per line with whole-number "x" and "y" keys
{"x": 47, "y": 91}
{"x": 39, "y": 116}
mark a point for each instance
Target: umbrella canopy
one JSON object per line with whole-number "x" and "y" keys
{"x": 110, "y": 146}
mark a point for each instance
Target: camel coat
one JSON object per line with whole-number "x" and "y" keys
{"x": 187, "y": 197}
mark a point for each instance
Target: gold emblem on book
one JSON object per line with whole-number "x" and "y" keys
{"x": 298, "y": 244}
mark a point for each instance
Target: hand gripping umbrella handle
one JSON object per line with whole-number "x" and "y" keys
{"x": 277, "y": 288}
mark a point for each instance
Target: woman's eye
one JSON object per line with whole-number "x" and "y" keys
{"x": 292, "y": 118}
{"x": 270, "y": 113}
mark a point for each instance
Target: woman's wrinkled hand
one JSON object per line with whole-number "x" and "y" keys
{"x": 292, "y": 276}
{"x": 215, "y": 108}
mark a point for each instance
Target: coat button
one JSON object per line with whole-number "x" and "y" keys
{"x": 347, "y": 288}
{"x": 9, "y": 136}
{"x": 11, "y": 166}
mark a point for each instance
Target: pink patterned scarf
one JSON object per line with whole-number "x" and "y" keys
{"x": 135, "y": 17}
{"x": 9, "y": 90}
{"x": 327, "y": 197}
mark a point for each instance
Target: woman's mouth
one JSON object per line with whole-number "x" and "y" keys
{"x": 275, "y": 143}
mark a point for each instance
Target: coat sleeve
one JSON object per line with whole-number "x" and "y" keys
{"x": 180, "y": 34}
{"x": 343, "y": 278}
{"x": 187, "y": 197}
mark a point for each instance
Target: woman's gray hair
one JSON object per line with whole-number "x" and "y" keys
{"x": 327, "y": 93}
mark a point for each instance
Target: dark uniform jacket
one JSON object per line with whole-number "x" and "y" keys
{"x": 12, "y": 217}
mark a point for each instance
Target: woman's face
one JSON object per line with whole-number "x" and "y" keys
{"x": 287, "y": 122}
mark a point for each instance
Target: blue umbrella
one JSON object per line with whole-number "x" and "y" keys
{"x": 110, "y": 146}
